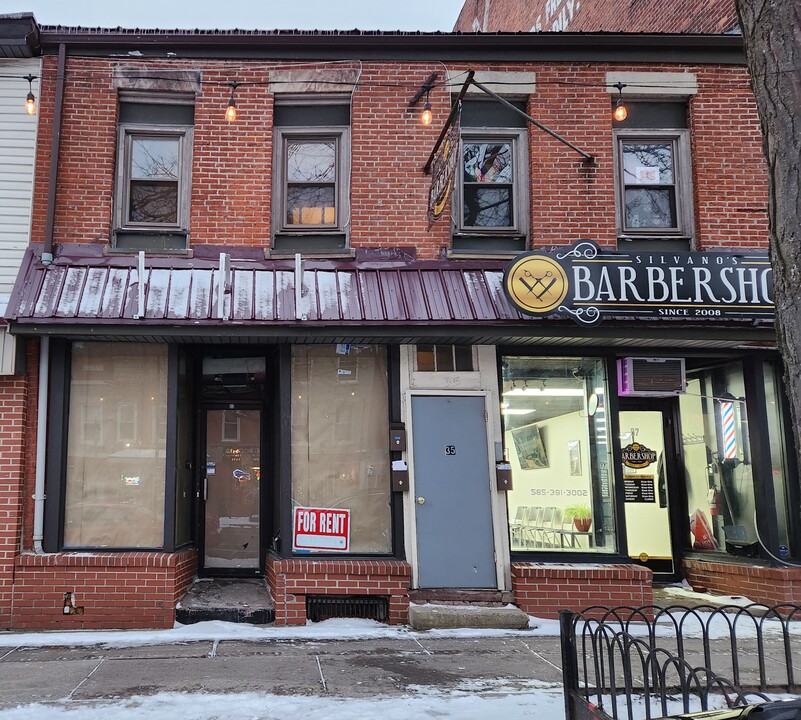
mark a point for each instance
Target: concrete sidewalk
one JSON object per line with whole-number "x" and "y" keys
{"x": 334, "y": 668}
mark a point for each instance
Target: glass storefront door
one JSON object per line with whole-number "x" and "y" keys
{"x": 646, "y": 469}
{"x": 231, "y": 489}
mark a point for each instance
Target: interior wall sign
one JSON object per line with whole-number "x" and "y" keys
{"x": 589, "y": 283}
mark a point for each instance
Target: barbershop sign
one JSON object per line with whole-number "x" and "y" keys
{"x": 589, "y": 284}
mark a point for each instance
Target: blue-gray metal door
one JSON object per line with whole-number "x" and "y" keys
{"x": 455, "y": 546}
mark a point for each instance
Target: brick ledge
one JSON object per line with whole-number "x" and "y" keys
{"x": 580, "y": 571}
{"x": 104, "y": 559}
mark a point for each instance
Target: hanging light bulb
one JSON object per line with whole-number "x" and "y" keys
{"x": 426, "y": 116}
{"x": 30, "y": 100}
{"x": 620, "y": 113}
{"x": 230, "y": 111}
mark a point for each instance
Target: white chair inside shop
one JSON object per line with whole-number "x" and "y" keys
{"x": 551, "y": 527}
{"x": 518, "y": 524}
{"x": 532, "y": 526}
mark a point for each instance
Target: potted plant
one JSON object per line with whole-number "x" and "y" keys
{"x": 581, "y": 514}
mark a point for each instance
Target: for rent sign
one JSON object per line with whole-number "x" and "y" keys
{"x": 321, "y": 530}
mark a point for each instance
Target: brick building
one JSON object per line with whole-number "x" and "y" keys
{"x": 261, "y": 359}
{"x": 711, "y": 17}
{"x": 19, "y": 48}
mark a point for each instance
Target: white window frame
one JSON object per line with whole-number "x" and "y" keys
{"x": 127, "y": 133}
{"x": 682, "y": 181}
{"x": 127, "y": 418}
{"x": 518, "y": 138}
{"x": 226, "y": 425}
{"x": 340, "y": 135}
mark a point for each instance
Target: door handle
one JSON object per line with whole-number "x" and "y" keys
{"x": 205, "y": 488}
{"x": 420, "y": 500}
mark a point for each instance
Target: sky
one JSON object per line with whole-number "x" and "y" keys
{"x": 408, "y": 15}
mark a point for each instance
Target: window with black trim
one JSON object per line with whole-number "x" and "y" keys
{"x": 490, "y": 211}
{"x": 312, "y": 156}
{"x": 154, "y": 164}
{"x": 654, "y": 189}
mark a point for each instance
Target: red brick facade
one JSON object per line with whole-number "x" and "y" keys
{"x": 105, "y": 590}
{"x": 290, "y": 581}
{"x": 231, "y": 198}
{"x": 635, "y": 16}
{"x": 543, "y": 589}
{"x": 771, "y": 586}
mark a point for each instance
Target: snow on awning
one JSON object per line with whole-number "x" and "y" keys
{"x": 126, "y": 292}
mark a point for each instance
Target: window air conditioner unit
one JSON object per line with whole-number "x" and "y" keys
{"x": 650, "y": 377}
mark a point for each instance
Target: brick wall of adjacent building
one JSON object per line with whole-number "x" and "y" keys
{"x": 105, "y": 590}
{"x": 290, "y": 581}
{"x": 759, "y": 583}
{"x": 543, "y": 589}
{"x": 638, "y": 16}
{"x": 13, "y": 423}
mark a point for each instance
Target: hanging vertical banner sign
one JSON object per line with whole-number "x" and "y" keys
{"x": 443, "y": 170}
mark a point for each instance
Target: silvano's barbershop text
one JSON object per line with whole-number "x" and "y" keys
{"x": 588, "y": 283}
{"x": 673, "y": 279}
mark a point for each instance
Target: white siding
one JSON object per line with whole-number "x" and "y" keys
{"x": 17, "y": 155}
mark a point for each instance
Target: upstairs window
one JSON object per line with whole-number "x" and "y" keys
{"x": 312, "y": 151}
{"x": 490, "y": 211}
{"x": 653, "y": 177}
{"x": 488, "y": 187}
{"x": 154, "y": 159}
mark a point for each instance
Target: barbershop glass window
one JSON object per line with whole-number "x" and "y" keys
{"x": 717, "y": 455}
{"x": 557, "y": 442}
{"x": 115, "y": 490}
{"x": 340, "y": 425}
{"x": 717, "y": 459}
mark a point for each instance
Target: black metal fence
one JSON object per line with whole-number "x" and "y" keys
{"x": 650, "y": 662}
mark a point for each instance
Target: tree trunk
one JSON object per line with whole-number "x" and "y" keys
{"x": 772, "y": 35}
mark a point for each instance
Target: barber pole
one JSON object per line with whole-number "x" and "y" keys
{"x": 729, "y": 438}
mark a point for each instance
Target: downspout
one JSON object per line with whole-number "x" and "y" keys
{"x": 41, "y": 450}
{"x": 55, "y": 145}
{"x": 44, "y": 343}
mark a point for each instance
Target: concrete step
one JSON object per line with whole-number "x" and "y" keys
{"x": 239, "y": 600}
{"x": 432, "y": 615}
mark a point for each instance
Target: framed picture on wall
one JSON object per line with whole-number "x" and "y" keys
{"x": 574, "y": 456}
{"x": 529, "y": 447}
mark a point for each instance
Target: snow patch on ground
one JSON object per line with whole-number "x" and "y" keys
{"x": 251, "y": 706}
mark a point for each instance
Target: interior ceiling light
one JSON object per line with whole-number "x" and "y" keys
{"x": 552, "y": 392}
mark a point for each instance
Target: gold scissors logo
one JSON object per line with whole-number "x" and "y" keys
{"x": 536, "y": 284}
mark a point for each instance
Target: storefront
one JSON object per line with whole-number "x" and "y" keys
{"x": 375, "y": 430}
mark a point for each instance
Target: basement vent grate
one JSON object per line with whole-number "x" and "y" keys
{"x": 369, "y": 607}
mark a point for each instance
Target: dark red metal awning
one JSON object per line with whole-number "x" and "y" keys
{"x": 381, "y": 296}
